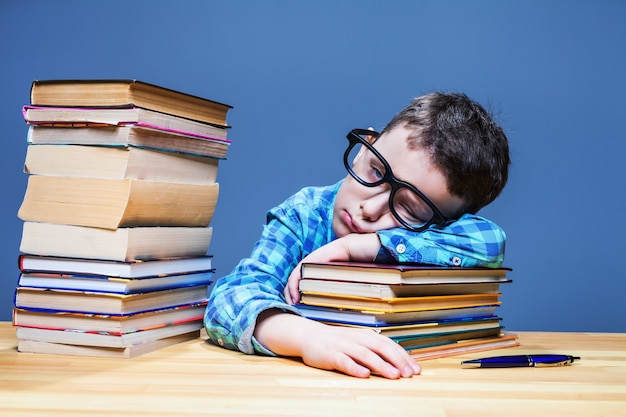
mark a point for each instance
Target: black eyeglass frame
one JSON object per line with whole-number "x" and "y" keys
{"x": 356, "y": 136}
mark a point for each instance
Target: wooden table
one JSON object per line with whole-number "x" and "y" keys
{"x": 196, "y": 378}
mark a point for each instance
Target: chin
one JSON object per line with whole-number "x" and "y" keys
{"x": 341, "y": 230}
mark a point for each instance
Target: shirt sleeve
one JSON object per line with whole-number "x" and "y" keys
{"x": 255, "y": 285}
{"x": 470, "y": 241}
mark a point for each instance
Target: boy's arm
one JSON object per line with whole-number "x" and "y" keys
{"x": 353, "y": 351}
{"x": 256, "y": 284}
{"x": 467, "y": 242}
{"x": 247, "y": 311}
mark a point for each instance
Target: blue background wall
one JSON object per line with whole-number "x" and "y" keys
{"x": 301, "y": 74}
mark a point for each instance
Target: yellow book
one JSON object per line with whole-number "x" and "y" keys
{"x": 399, "y": 304}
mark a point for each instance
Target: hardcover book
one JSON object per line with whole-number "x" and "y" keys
{"x": 107, "y": 323}
{"x": 36, "y": 346}
{"x": 119, "y": 163}
{"x": 412, "y": 342}
{"x": 400, "y": 304}
{"x": 139, "y": 137}
{"x": 107, "y": 303}
{"x": 400, "y": 273}
{"x": 461, "y": 347}
{"x": 136, "y": 116}
{"x": 121, "y": 244}
{"x": 110, "y": 204}
{"x": 364, "y": 289}
{"x": 420, "y": 328}
{"x": 127, "y": 93}
{"x": 110, "y": 340}
{"x": 121, "y": 269}
{"x": 364, "y": 317}
{"x": 100, "y": 283}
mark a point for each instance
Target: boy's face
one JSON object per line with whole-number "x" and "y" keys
{"x": 361, "y": 209}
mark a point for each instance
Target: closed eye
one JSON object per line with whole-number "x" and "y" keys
{"x": 411, "y": 207}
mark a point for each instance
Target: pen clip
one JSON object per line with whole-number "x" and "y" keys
{"x": 541, "y": 361}
{"x": 551, "y": 364}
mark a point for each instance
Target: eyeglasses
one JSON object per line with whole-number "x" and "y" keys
{"x": 407, "y": 204}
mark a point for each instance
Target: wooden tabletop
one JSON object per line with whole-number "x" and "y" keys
{"x": 198, "y": 379}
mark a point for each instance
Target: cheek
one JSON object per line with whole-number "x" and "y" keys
{"x": 388, "y": 221}
{"x": 352, "y": 191}
{"x": 344, "y": 195}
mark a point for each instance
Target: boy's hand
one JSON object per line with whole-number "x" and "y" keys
{"x": 352, "y": 351}
{"x": 353, "y": 247}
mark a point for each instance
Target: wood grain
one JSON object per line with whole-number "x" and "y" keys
{"x": 199, "y": 379}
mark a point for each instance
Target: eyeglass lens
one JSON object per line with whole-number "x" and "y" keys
{"x": 406, "y": 205}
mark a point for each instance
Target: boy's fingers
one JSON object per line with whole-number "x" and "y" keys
{"x": 376, "y": 363}
{"x": 394, "y": 359}
{"x": 349, "y": 367}
{"x": 295, "y": 294}
{"x": 291, "y": 296}
{"x": 287, "y": 295}
{"x": 292, "y": 293}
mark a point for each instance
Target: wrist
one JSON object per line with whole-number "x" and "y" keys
{"x": 282, "y": 332}
{"x": 363, "y": 246}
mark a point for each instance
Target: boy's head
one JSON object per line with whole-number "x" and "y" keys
{"x": 471, "y": 150}
{"x": 440, "y": 157}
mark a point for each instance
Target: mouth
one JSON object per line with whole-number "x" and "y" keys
{"x": 347, "y": 219}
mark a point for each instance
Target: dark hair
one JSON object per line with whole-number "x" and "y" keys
{"x": 471, "y": 150}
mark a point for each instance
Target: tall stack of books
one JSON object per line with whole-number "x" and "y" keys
{"x": 430, "y": 311}
{"x": 121, "y": 193}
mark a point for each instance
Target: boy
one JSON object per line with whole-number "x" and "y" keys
{"x": 409, "y": 196}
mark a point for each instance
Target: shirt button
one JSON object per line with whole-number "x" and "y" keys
{"x": 220, "y": 342}
{"x": 456, "y": 261}
{"x": 401, "y": 248}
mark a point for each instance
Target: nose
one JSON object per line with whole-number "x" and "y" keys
{"x": 377, "y": 205}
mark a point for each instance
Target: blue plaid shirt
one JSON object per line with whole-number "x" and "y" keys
{"x": 302, "y": 224}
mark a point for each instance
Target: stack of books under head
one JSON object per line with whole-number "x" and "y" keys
{"x": 431, "y": 311}
{"x": 121, "y": 192}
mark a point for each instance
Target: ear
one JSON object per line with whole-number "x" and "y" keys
{"x": 370, "y": 139}
{"x": 358, "y": 155}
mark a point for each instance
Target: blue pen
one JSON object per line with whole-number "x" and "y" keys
{"x": 521, "y": 361}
